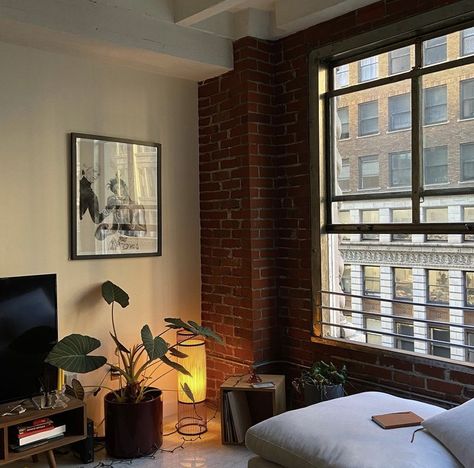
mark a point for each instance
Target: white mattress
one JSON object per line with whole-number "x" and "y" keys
{"x": 340, "y": 434}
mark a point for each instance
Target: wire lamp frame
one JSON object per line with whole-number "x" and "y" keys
{"x": 192, "y": 416}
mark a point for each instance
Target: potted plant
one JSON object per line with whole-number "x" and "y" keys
{"x": 134, "y": 411}
{"x": 321, "y": 382}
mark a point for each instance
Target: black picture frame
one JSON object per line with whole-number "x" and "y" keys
{"x": 115, "y": 205}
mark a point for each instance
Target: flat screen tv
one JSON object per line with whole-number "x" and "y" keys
{"x": 28, "y": 331}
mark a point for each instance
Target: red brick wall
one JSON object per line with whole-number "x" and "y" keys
{"x": 255, "y": 215}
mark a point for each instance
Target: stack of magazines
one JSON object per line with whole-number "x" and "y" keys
{"x": 34, "y": 433}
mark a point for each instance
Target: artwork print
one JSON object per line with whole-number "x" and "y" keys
{"x": 116, "y": 208}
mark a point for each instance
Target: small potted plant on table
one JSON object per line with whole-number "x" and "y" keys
{"x": 321, "y": 382}
{"x": 134, "y": 411}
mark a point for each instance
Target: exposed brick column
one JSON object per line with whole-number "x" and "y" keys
{"x": 238, "y": 212}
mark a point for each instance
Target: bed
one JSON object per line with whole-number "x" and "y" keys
{"x": 340, "y": 434}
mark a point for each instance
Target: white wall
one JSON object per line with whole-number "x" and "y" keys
{"x": 43, "y": 97}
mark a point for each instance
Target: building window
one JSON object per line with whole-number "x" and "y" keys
{"x": 469, "y": 282}
{"x": 470, "y": 342}
{"x": 401, "y": 216}
{"x": 368, "y": 69}
{"x": 467, "y": 41}
{"x": 467, "y": 99}
{"x": 342, "y": 76}
{"x": 370, "y": 217}
{"x": 440, "y": 334}
{"x": 434, "y": 50}
{"x": 399, "y": 61}
{"x": 371, "y": 280}
{"x": 368, "y": 118}
{"x": 368, "y": 172}
{"x": 436, "y": 215}
{"x": 403, "y": 284}
{"x": 344, "y": 217}
{"x": 343, "y": 113}
{"x": 400, "y": 169}
{"x": 344, "y": 178}
{"x": 438, "y": 286}
{"x": 399, "y": 112}
{"x": 435, "y": 165}
{"x": 467, "y": 161}
{"x": 404, "y": 328}
{"x": 435, "y": 110}
{"x": 346, "y": 286}
{"x": 468, "y": 216}
{"x": 373, "y": 323}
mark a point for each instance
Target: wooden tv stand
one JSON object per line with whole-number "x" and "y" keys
{"x": 73, "y": 416}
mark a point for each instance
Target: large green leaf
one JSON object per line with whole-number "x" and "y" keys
{"x": 192, "y": 327}
{"x": 120, "y": 346}
{"x": 71, "y": 354}
{"x": 207, "y": 332}
{"x": 177, "y": 323}
{"x": 75, "y": 390}
{"x": 112, "y": 293}
{"x": 175, "y": 365}
{"x": 155, "y": 347}
{"x": 188, "y": 391}
{"x": 177, "y": 353}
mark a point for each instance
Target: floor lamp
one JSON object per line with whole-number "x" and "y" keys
{"x": 192, "y": 416}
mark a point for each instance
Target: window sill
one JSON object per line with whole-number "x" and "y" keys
{"x": 407, "y": 129}
{"x": 358, "y": 137}
{"x": 436, "y": 124}
{"x": 445, "y": 363}
{"x": 465, "y": 119}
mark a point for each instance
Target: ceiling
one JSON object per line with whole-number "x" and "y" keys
{"x": 190, "y": 39}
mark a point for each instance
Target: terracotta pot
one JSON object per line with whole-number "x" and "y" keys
{"x": 133, "y": 429}
{"x": 314, "y": 394}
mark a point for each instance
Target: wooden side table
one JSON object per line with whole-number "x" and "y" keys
{"x": 263, "y": 402}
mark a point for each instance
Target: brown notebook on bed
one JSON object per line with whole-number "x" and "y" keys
{"x": 395, "y": 420}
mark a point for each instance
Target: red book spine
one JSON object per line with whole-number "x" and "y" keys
{"x": 45, "y": 427}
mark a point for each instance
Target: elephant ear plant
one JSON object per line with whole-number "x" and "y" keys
{"x": 137, "y": 364}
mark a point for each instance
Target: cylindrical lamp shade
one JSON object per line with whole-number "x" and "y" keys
{"x": 192, "y": 417}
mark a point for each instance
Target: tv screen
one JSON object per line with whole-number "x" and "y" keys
{"x": 28, "y": 331}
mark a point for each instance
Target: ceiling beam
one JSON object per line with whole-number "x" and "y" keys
{"x": 188, "y": 13}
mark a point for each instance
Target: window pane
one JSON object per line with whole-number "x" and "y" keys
{"x": 403, "y": 283}
{"x": 400, "y": 169}
{"x": 469, "y": 280}
{"x": 440, "y": 334}
{"x": 371, "y": 280}
{"x": 368, "y": 172}
{"x": 467, "y": 161}
{"x": 435, "y": 165}
{"x": 341, "y": 76}
{"x": 435, "y": 105}
{"x": 468, "y": 216}
{"x": 399, "y": 112}
{"x": 368, "y": 69}
{"x": 343, "y": 114}
{"x": 434, "y": 50}
{"x": 404, "y": 328}
{"x": 470, "y": 342}
{"x": 400, "y": 60}
{"x": 438, "y": 286}
{"x": 370, "y": 217}
{"x": 401, "y": 216}
{"x": 467, "y": 41}
{"x": 467, "y": 99}
{"x": 344, "y": 176}
{"x": 368, "y": 118}
{"x": 436, "y": 215}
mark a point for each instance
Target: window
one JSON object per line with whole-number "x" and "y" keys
{"x": 399, "y": 112}
{"x": 436, "y": 165}
{"x": 470, "y": 342}
{"x": 403, "y": 284}
{"x": 399, "y": 60}
{"x": 469, "y": 281}
{"x": 344, "y": 217}
{"x": 346, "y": 286}
{"x": 343, "y": 113}
{"x": 467, "y": 41}
{"x": 368, "y": 118}
{"x": 342, "y": 76}
{"x": 371, "y": 280}
{"x": 440, "y": 334}
{"x": 436, "y": 215}
{"x": 370, "y": 217}
{"x": 438, "y": 286}
{"x": 368, "y": 69}
{"x": 403, "y": 266}
{"x": 467, "y": 161}
{"x": 344, "y": 178}
{"x": 435, "y": 105}
{"x": 401, "y": 216}
{"x": 434, "y": 50}
{"x": 400, "y": 169}
{"x": 404, "y": 328}
{"x": 368, "y": 172}
{"x": 467, "y": 99}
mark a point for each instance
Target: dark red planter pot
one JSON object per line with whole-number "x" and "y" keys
{"x": 133, "y": 429}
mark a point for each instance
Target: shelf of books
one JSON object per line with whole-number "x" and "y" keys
{"x": 244, "y": 404}
{"x": 36, "y": 431}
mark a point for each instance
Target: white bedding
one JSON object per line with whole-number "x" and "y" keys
{"x": 340, "y": 434}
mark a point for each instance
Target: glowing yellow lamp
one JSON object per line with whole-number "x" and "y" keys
{"x": 192, "y": 417}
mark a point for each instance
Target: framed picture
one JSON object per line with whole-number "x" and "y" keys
{"x": 116, "y": 197}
